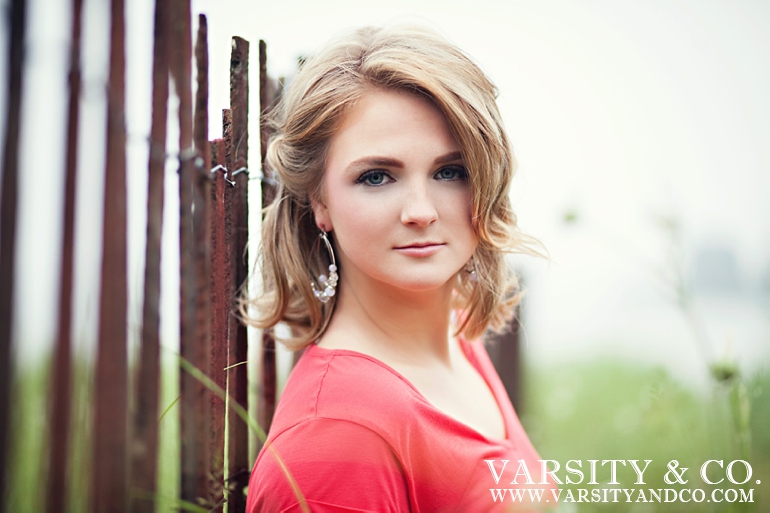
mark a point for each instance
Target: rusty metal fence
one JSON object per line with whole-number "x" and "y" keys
{"x": 214, "y": 179}
{"x": 213, "y": 231}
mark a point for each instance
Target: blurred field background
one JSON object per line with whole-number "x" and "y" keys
{"x": 642, "y": 133}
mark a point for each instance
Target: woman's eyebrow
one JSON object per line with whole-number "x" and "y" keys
{"x": 376, "y": 161}
{"x": 449, "y": 157}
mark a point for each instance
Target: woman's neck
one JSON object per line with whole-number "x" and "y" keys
{"x": 394, "y": 325}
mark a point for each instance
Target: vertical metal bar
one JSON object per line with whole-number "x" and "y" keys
{"x": 8, "y": 207}
{"x": 268, "y": 380}
{"x": 144, "y": 453}
{"x": 181, "y": 72}
{"x": 505, "y": 353}
{"x": 202, "y": 226}
{"x": 264, "y": 103}
{"x": 220, "y": 313}
{"x": 267, "y": 389}
{"x": 60, "y": 392}
{"x": 227, "y": 152}
{"x": 238, "y": 472}
{"x": 111, "y": 394}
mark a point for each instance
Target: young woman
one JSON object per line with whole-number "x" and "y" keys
{"x": 384, "y": 251}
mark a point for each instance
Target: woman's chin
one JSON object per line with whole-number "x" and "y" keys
{"x": 423, "y": 284}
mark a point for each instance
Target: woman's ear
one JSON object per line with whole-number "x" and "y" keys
{"x": 321, "y": 214}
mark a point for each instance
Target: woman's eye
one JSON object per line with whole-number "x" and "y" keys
{"x": 374, "y": 178}
{"x": 451, "y": 173}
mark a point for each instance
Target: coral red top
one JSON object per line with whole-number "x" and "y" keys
{"x": 355, "y": 435}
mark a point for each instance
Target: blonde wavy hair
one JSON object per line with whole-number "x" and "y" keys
{"x": 307, "y": 117}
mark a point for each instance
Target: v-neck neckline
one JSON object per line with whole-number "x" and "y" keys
{"x": 470, "y": 356}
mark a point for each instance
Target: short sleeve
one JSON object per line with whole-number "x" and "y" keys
{"x": 335, "y": 466}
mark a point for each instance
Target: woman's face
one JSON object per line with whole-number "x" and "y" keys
{"x": 396, "y": 195}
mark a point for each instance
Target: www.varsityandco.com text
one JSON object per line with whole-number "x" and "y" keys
{"x": 552, "y": 482}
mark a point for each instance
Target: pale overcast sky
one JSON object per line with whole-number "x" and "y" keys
{"x": 621, "y": 111}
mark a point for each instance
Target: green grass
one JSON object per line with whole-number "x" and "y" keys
{"x": 31, "y": 431}
{"x": 600, "y": 411}
{"x": 28, "y": 441}
{"x": 609, "y": 410}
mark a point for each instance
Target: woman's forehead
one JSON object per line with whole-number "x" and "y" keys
{"x": 392, "y": 124}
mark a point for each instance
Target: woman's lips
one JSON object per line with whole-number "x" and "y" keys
{"x": 420, "y": 250}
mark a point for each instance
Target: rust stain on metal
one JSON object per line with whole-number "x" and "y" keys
{"x": 227, "y": 137}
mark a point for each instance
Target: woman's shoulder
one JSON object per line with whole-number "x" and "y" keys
{"x": 345, "y": 385}
{"x": 331, "y": 443}
{"x": 351, "y": 432}
{"x": 327, "y": 465}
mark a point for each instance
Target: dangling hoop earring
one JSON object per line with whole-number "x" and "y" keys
{"x": 329, "y": 284}
{"x": 470, "y": 270}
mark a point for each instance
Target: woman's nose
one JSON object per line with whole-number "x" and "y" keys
{"x": 418, "y": 208}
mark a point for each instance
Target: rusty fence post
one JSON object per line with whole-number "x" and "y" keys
{"x": 221, "y": 292}
{"x": 8, "y": 208}
{"x": 192, "y": 485}
{"x": 111, "y": 395}
{"x": 505, "y": 353}
{"x": 202, "y": 230}
{"x": 267, "y": 370}
{"x": 238, "y": 454}
{"x": 144, "y": 450}
{"x": 60, "y": 403}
